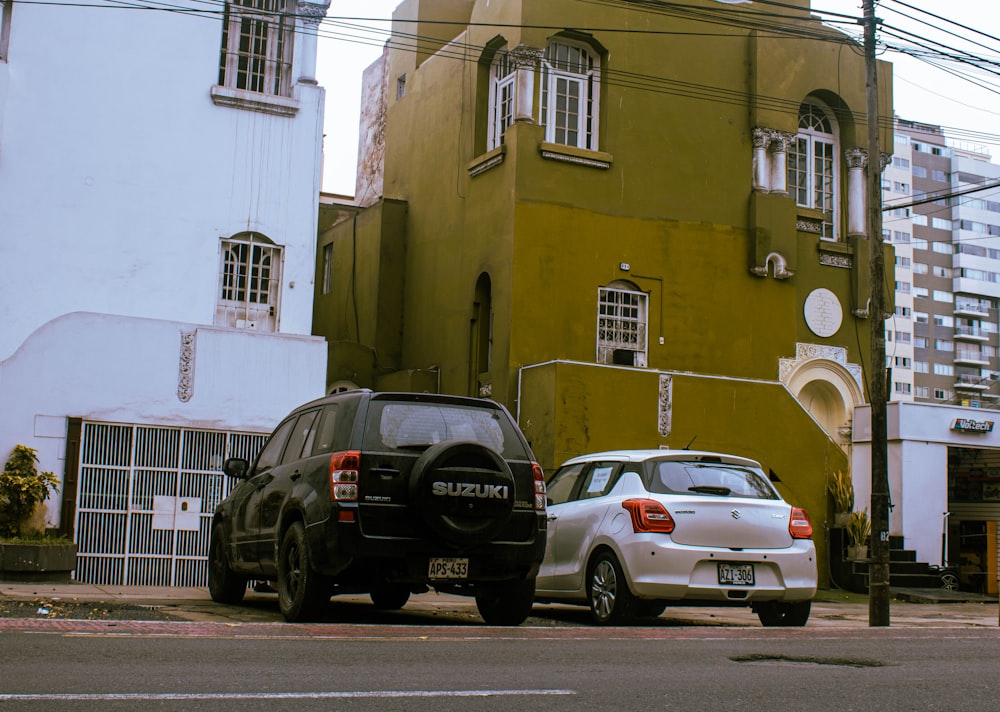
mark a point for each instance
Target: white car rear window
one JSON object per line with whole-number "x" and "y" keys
{"x": 710, "y": 479}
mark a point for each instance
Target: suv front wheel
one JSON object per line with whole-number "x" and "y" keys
{"x": 223, "y": 585}
{"x": 507, "y": 602}
{"x": 303, "y": 593}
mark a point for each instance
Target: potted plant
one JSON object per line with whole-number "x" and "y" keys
{"x": 26, "y": 553}
{"x": 841, "y": 488}
{"x": 859, "y": 528}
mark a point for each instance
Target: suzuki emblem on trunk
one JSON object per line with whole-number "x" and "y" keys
{"x": 735, "y": 514}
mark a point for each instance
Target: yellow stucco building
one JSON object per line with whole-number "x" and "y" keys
{"x": 635, "y": 225}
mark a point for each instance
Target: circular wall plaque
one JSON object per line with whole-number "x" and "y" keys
{"x": 823, "y": 312}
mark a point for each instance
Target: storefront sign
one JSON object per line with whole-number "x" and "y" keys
{"x": 967, "y": 425}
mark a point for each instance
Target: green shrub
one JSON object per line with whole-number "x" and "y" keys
{"x": 841, "y": 488}
{"x": 859, "y": 528}
{"x": 22, "y": 489}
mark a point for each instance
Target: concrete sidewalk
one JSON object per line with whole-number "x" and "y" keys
{"x": 831, "y": 608}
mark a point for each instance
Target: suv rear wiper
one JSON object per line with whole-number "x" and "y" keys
{"x": 711, "y": 489}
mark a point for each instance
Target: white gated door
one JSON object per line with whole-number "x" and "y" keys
{"x": 145, "y": 501}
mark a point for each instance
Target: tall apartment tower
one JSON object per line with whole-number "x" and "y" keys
{"x": 942, "y": 214}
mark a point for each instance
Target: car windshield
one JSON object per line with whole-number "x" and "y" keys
{"x": 711, "y": 479}
{"x": 420, "y": 425}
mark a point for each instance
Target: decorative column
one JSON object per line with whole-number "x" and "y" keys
{"x": 526, "y": 61}
{"x": 856, "y": 159}
{"x": 310, "y": 15}
{"x": 780, "y": 141}
{"x": 761, "y": 168}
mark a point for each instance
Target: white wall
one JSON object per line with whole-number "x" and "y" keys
{"x": 127, "y": 370}
{"x": 919, "y": 435}
{"x": 118, "y": 174}
{"x": 118, "y": 178}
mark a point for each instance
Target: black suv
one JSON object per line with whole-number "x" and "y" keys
{"x": 387, "y": 494}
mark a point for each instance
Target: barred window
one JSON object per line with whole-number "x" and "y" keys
{"x": 250, "y": 279}
{"x": 257, "y": 40}
{"x": 621, "y": 325}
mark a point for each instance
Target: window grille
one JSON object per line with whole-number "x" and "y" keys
{"x": 621, "y": 327}
{"x": 250, "y": 283}
{"x": 145, "y": 501}
{"x": 257, "y": 40}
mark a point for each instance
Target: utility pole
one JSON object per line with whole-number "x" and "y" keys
{"x": 878, "y": 566}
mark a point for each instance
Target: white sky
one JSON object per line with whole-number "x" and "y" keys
{"x": 922, "y": 92}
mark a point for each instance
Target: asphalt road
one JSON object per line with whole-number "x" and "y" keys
{"x": 94, "y": 665}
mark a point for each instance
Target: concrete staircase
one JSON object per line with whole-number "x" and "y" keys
{"x": 904, "y": 569}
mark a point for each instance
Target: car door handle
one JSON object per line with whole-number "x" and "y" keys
{"x": 553, "y": 517}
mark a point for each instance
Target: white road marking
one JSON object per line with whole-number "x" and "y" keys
{"x": 156, "y": 697}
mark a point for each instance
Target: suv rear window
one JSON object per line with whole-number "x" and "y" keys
{"x": 678, "y": 477}
{"x": 417, "y": 426}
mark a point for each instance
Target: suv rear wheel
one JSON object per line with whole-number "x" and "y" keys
{"x": 507, "y": 602}
{"x": 303, "y": 593}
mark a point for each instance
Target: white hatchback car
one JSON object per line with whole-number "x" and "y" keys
{"x": 633, "y": 531}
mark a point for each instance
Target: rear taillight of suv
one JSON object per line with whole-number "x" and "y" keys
{"x": 648, "y": 515}
{"x": 799, "y": 524}
{"x": 539, "y": 477}
{"x": 344, "y": 468}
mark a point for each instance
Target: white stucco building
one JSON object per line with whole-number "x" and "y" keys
{"x": 943, "y": 464}
{"x": 159, "y": 187}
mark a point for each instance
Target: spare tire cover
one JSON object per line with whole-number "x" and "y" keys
{"x": 462, "y": 491}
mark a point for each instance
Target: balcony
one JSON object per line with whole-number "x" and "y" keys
{"x": 971, "y": 358}
{"x": 970, "y": 309}
{"x": 971, "y": 333}
{"x": 972, "y": 383}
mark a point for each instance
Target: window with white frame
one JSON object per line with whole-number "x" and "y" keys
{"x": 249, "y": 283}
{"x": 944, "y": 369}
{"x": 922, "y": 391}
{"x": 257, "y": 40}
{"x": 571, "y": 76}
{"x": 812, "y": 165}
{"x": 621, "y": 325}
{"x": 503, "y": 75}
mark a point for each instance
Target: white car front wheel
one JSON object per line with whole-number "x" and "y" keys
{"x": 611, "y": 601}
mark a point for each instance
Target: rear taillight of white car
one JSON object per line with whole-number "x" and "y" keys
{"x": 344, "y": 468}
{"x": 648, "y": 515}
{"x": 539, "y": 477}
{"x": 799, "y": 525}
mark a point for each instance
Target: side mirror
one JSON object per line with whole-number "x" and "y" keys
{"x": 236, "y": 467}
